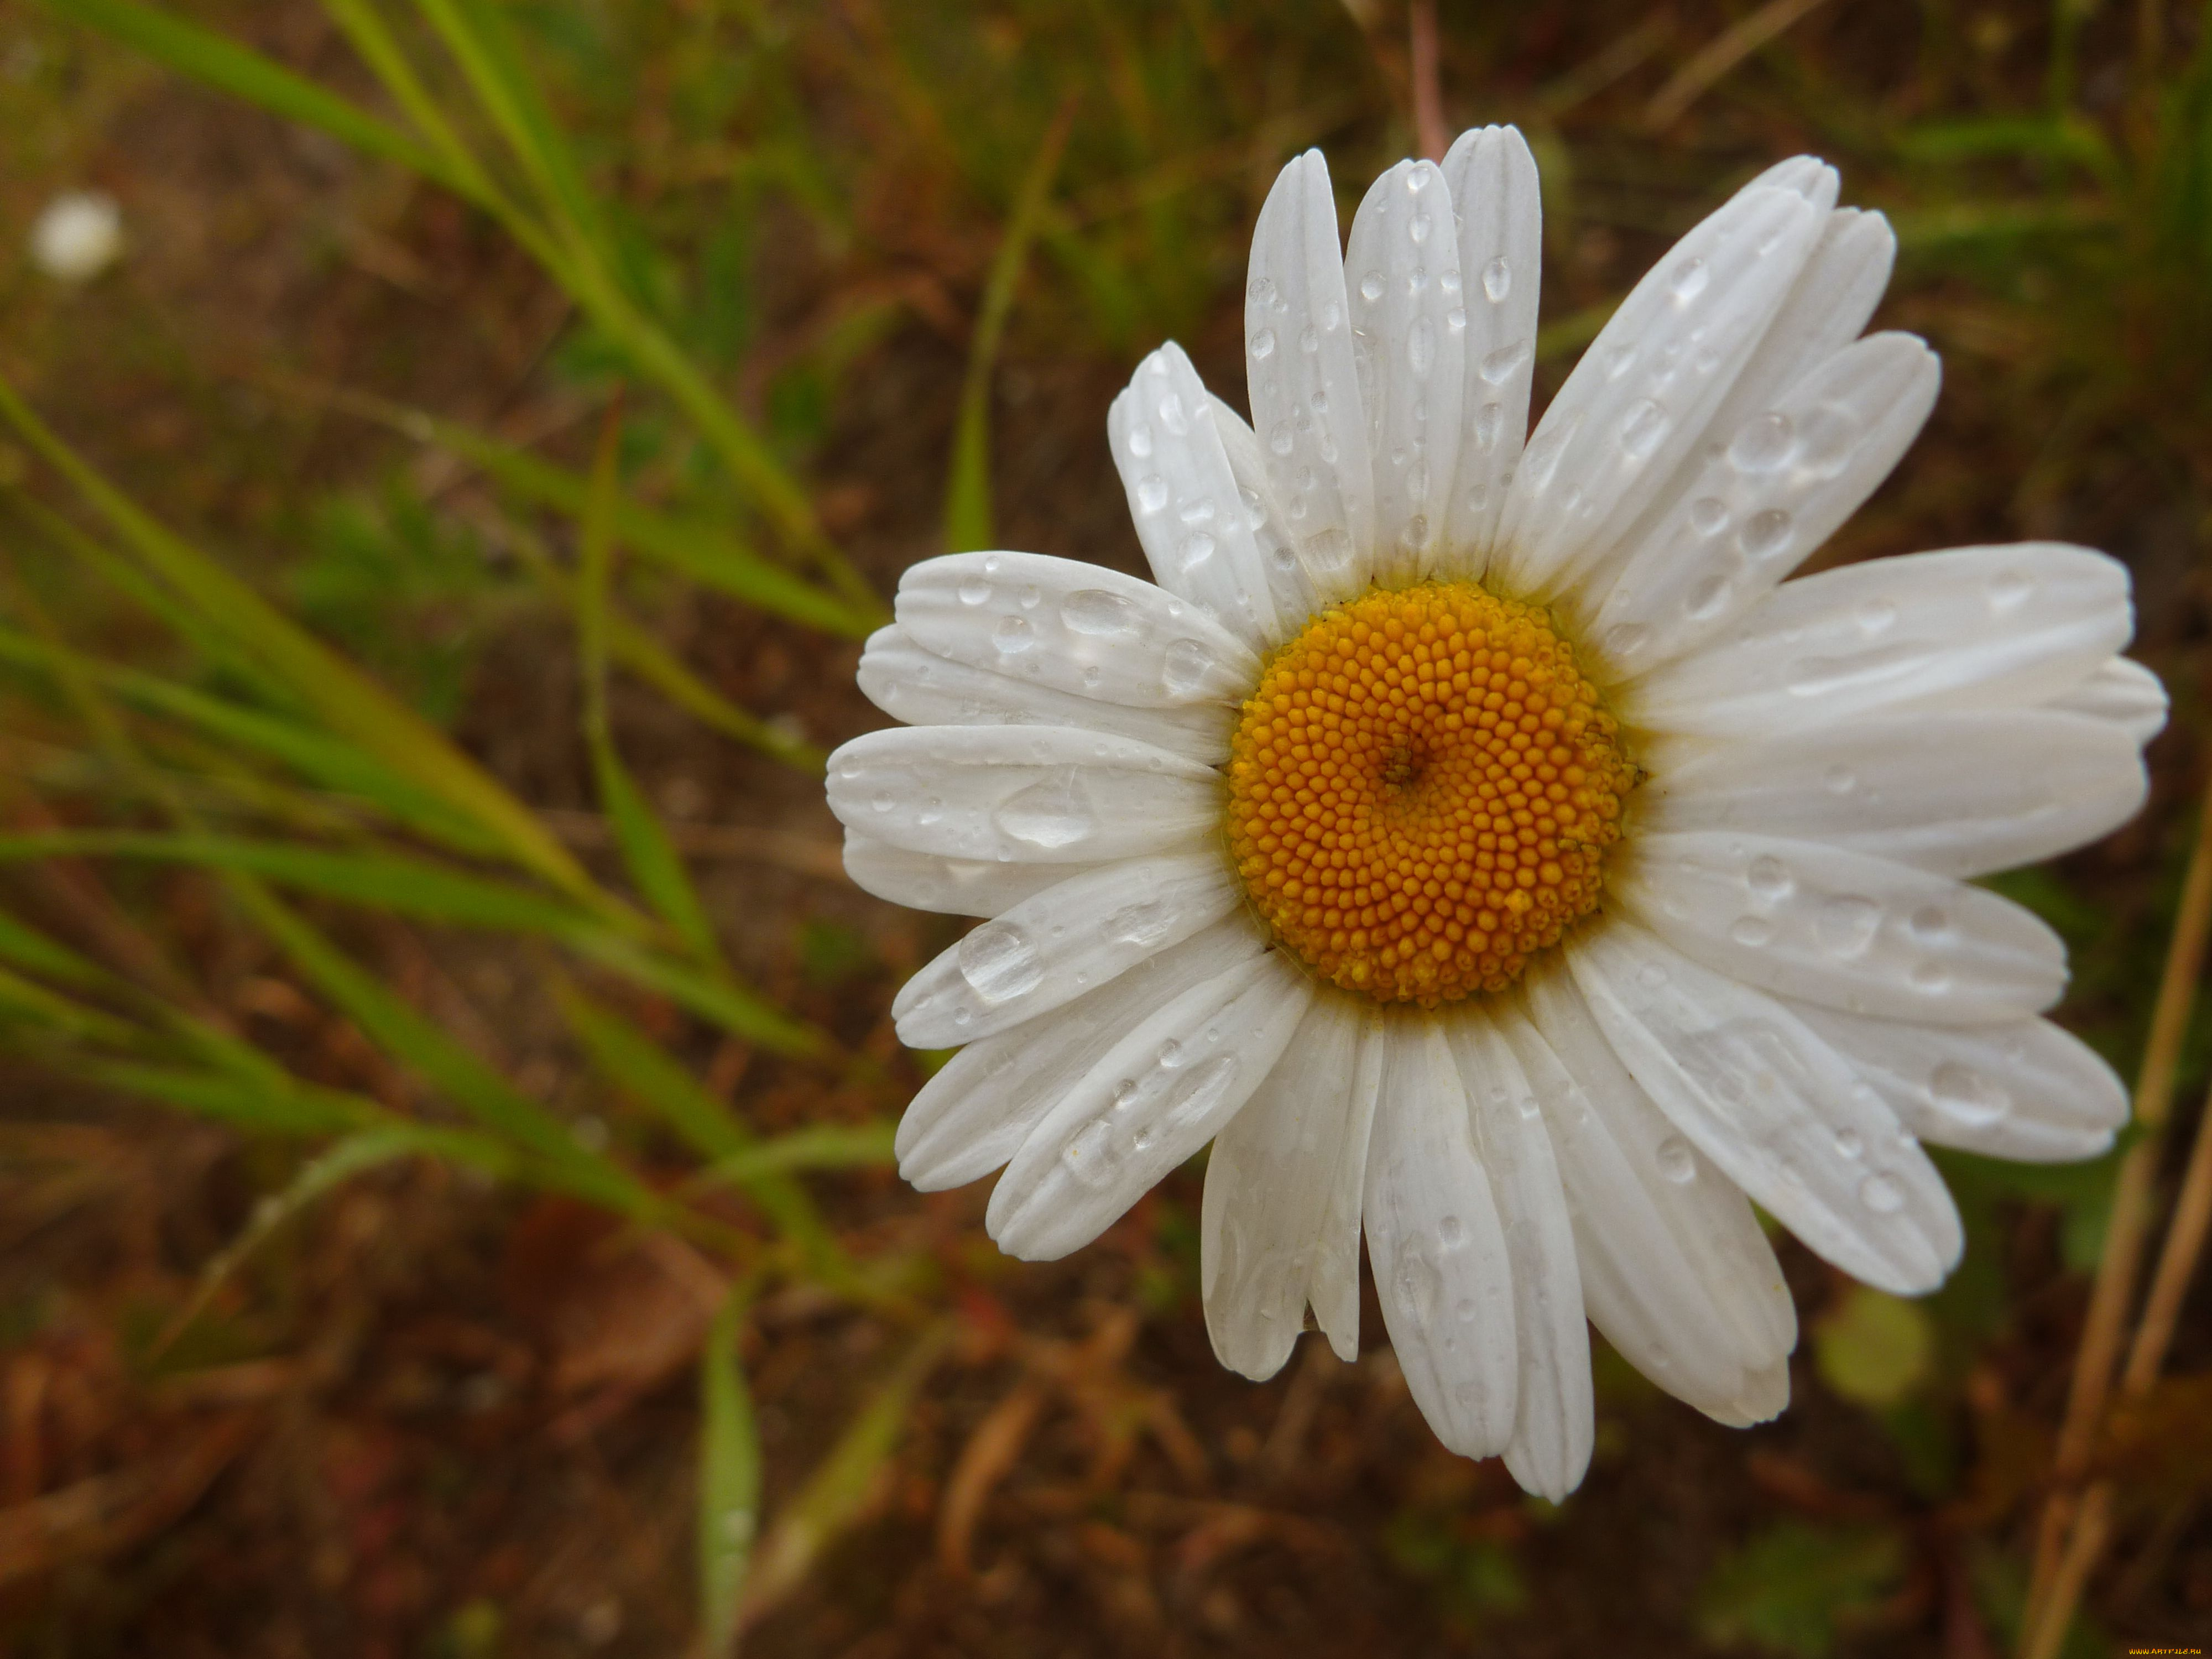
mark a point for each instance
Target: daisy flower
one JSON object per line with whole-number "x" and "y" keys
{"x": 1479, "y": 841}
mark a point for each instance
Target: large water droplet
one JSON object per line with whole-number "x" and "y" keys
{"x": 1053, "y": 812}
{"x": 1263, "y": 343}
{"x": 1849, "y": 1144}
{"x": 1689, "y": 279}
{"x": 975, "y": 591}
{"x": 1708, "y": 515}
{"x": 1497, "y": 280}
{"x": 1092, "y": 1156}
{"x": 1013, "y": 635}
{"x": 1496, "y": 367}
{"x": 1100, "y": 614}
{"x": 1489, "y": 422}
{"x": 1826, "y": 434}
{"x": 1751, "y": 931}
{"x": 1764, "y": 443}
{"x": 1174, "y": 416}
{"x": 1676, "y": 1161}
{"x": 1765, "y": 534}
{"x": 999, "y": 962}
{"x": 1370, "y": 287}
{"x": 1967, "y": 1097}
{"x": 1845, "y": 926}
{"x": 1881, "y": 1195}
{"x": 1141, "y": 924}
{"x": 1643, "y": 429}
{"x": 1186, "y": 666}
{"x": 1708, "y": 598}
{"x": 1770, "y": 878}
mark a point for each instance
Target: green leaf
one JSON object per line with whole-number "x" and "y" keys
{"x": 1792, "y": 1585}
{"x": 826, "y": 1147}
{"x": 1872, "y": 1349}
{"x": 729, "y": 1477}
{"x": 228, "y": 67}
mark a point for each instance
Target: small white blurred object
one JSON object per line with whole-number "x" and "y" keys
{"x": 78, "y": 235}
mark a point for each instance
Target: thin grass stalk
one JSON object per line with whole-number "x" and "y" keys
{"x": 2131, "y": 1216}
{"x": 1430, "y": 131}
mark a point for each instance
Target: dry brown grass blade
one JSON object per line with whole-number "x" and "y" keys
{"x": 2126, "y": 1236}
{"x": 1728, "y": 49}
{"x": 1430, "y": 131}
{"x": 991, "y": 1451}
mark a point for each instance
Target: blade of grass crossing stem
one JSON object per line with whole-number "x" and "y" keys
{"x": 639, "y": 1068}
{"x": 968, "y": 493}
{"x": 654, "y": 864}
{"x": 380, "y": 50}
{"x": 331, "y": 1167}
{"x": 729, "y": 1477}
{"x": 630, "y": 644}
{"x": 222, "y": 63}
{"x": 844, "y": 1487}
{"x": 341, "y": 694}
{"x": 471, "y": 1084}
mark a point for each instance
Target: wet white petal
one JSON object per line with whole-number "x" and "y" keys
{"x": 1409, "y": 345}
{"x": 1294, "y": 596}
{"x": 1674, "y": 1268}
{"x": 953, "y": 887}
{"x": 2125, "y": 693}
{"x": 1644, "y": 394}
{"x": 1839, "y": 928}
{"x": 1168, "y": 1087}
{"x": 1279, "y": 1227}
{"x": 1050, "y": 949}
{"x": 1183, "y": 497}
{"x": 975, "y": 1113}
{"x": 1073, "y": 627}
{"x": 1793, "y": 473}
{"x": 1958, "y": 794}
{"x": 1779, "y": 1111}
{"x": 1492, "y": 179}
{"x": 923, "y": 689}
{"x": 1043, "y": 793}
{"x": 1554, "y": 1423}
{"x": 1438, "y": 1251}
{"x": 2028, "y": 1091}
{"x": 1969, "y": 627}
{"x": 1305, "y": 391}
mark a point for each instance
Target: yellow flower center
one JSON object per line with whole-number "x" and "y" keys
{"x": 1421, "y": 791}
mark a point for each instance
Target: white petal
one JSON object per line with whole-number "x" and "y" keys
{"x": 1073, "y": 627}
{"x": 1183, "y": 499}
{"x": 976, "y": 1112}
{"x": 1279, "y": 1227}
{"x": 1043, "y": 793}
{"x": 1674, "y": 1268}
{"x": 1158, "y": 1095}
{"x": 1305, "y": 392}
{"x": 1409, "y": 344}
{"x": 1779, "y": 1111}
{"x": 1794, "y": 471}
{"x": 2028, "y": 1091}
{"x": 1293, "y": 591}
{"x": 1554, "y": 1424}
{"x": 1644, "y": 394}
{"x": 2125, "y": 693}
{"x": 923, "y": 689}
{"x": 1841, "y": 929}
{"x": 1050, "y": 949}
{"x": 1970, "y": 628}
{"x": 1827, "y": 306}
{"x": 1492, "y": 179}
{"x": 1954, "y": 794}
{"x": 1439, "y": 1252}
{"x": 954, "y": 887}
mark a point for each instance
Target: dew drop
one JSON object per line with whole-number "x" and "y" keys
{"x": 1708, "y": 515}
{"x": 1185, "y": 666}
{"x": 1309, "y": 339}
{"x": 1497, "y": 280}
{"x": 1763, "y": 444}
{"x": 1625, "y": 640}
{"x": 1496, "y": 367}
{"x": 1099, "y": 614}
{"x": 1651, "y": 974}
{"x": 1931, "y": 978}
{"x": 1283, "y": 439}
{"x": 1770, "y": 878}
{"x": 1263, "y": 344}
{"x": 1370, "y": 287}
{"x": 1489, "y": 422}
{"x": 1689, "y": 279}
{"x": 1708, "y": 598}
{"x": 1848, "y": 1143}
{"x": 1877, "y": 617}
{"x": 2009, "y": 590}
{"x": 1676, "y": 1162}
{"x": 1765, "y": 534}
{"x": 1013, "y": 635}
{"x": 999, "y": 962}
{"x": 1196, "y": 550}
{"x": 1141, "y": 924}
{"x": 1966, "y": 1097}
{"x": 1881, "y": 1195}
{"x": 1141, "y": 440}
{"x": 975, "y": 591}
{"x": 1845, "y": 926}
{"x": 1643, "y": 429}
{"x": 1839, "y": 779}
{"x": 1053, "y": 812}
{"x": 1752, "y": 931}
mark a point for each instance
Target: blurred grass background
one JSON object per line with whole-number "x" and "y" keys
{"x": 445, "y": 1201}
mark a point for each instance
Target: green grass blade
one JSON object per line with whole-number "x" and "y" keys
{"x": 723, "y": 1001}
{"x": 243, "y": 1101}
{"x": 468, "y": 1082}
{"x": 224, "y": 64}
{"x": 350, "y": 702}
{"x": 650, "y": 856}
{"x": 968, "y": 517}
{"x": 844, "y": 1488}
{"x": 29, "y": 949}
{"x": 826, "y": 1147}
{"x": 729, "y": 1477}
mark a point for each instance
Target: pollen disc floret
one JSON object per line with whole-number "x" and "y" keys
{"x": 1422, "y": 790}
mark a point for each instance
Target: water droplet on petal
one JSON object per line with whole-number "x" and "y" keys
{"x": 1763, "y": 444}
{"x": 975, "y": 591}
{"x": 1185, "y": 667}
{"x": 1013, "y": 635}
{"x": 1966, "y": 1097}
{"x": 1263, "y": 343}
{"x": 1053, "y": 812}
{"x": 999, "y": 962}
{"x": 1689, "y": 279}
{"x": 1845, "y": 926}
{"x": 1881, "y": 1195}
{"x": 1099, "y": 614}
{"x": 1370, "y": 287}
{"x": 1676, "y": 1161}
{"x": 1497, "y": 280}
